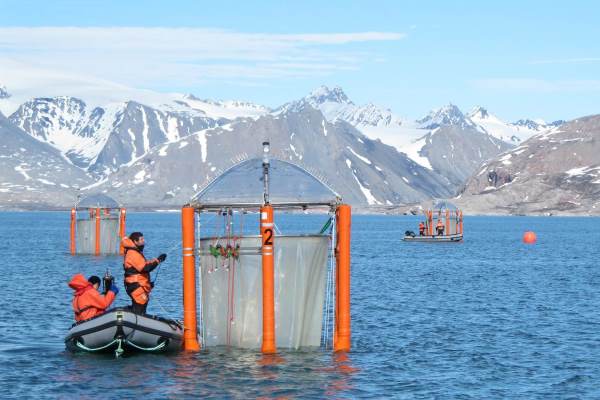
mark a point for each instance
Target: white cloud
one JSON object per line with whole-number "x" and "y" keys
{"x": 582, "y": 60}
{"x": 537, "y": 85}
{"x": 50, "y": 58}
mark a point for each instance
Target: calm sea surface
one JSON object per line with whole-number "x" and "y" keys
{"x": 489, "y": 318}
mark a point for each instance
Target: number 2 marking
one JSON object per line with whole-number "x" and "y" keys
{"x": 269, "y": 238}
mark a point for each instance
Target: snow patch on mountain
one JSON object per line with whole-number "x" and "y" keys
{"x": 412, "y": 137}
{"x": 68, "y": 125}
{"x": 363, "y": 159}
{"x": 507, "y": 132}
{"x": 510, "y": 132}
{"x": 371, "y": 200}
{"x": 373, "y": 121}
{"x": 201, "y": 136}
{"x": 413, "y": 151}
{"x": 446, "y": 115}
{"x": 229, "y": 109}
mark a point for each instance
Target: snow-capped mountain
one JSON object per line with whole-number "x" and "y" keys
{"x": 456, "y": 151}
{"x": 103, "y": 139}
{"x": 514, "y": 133}
{"x": 556, "y": 171}
{"x": 445, "y": 141}
{"x": 363, "y": 171}
{"x": 229, "y": 109}
{"x": 33, "y": 173}
{"x": 324, "y": 95}
{"x": 335, "y": 104}
{"x": 374, "y": 122}
{"x": 137, "y": 128}
{"x": 4, "y": 92}
{"x": 538, "y": 124}
{"x": 446, "y": 115}
{"x": 68, "y": 125}
{"x": 172, "y": 145}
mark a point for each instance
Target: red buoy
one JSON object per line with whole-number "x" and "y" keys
{"x": 529, "y": 237}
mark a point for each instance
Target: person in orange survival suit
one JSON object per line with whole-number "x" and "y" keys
{"x": 421, "y": 228}
{"x": 137, "y": 271}
{"x": 440, "y": 227}
{"x": 87, "y": 301}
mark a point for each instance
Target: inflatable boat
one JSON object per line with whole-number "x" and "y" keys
{"x": 411, "y": 237}
{"x": 120, "y": 330}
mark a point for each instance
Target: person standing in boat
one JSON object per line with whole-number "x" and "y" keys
{"x": 87, "y": 301}
{"x": 440, "y": 227}
{"x": 137, "y": 271}
{"x": 421, "y": 229}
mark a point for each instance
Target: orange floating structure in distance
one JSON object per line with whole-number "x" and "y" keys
{"x": 94, "y": 229}
{"x": 529, "y": 237}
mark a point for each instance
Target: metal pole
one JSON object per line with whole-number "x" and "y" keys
{"x": 121, "y": 230}
{"x": 73, "y": 223}
{"x": 97, "y": 249}
{"x": 265, "y": 165}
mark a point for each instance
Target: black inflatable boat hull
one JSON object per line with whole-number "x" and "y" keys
{"x": 120, "y": 330}
{"x": 434, "y": 238}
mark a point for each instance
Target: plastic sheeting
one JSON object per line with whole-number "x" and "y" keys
{"x": 443, "y": 206}
{"x": 85, "y": 236}
{"x": 232, "y": 299}
{"x": 243, "y": 184}
{"x": 98, "y": 201}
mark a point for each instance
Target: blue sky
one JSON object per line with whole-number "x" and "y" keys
{"x": 518, "y": 59}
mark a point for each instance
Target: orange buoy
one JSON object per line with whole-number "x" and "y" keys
{"x": 529, "y": 237}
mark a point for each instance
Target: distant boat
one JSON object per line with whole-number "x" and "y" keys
{"x": 121, "y": 330}
{"x": 411, "y": 237}
{"x": 448, "y": 229}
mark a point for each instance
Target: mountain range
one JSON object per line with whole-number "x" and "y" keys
{"x": 555, "y": 172}
{"x": 160, "y": 153}
{"x": 33, "y": 173}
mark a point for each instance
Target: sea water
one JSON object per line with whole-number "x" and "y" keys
{"x": 487, "y": 318}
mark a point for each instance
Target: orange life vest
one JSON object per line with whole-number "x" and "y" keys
{"x": 137, "y": 272}
{"x": 87, "y": 302}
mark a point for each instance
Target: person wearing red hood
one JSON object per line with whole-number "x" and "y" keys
{"x": 137, "y": 271}
{"x": 87, "y": 301}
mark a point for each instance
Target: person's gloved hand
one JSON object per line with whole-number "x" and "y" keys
{"x": 162, "y": 257}
{"x": 114, "y": 289}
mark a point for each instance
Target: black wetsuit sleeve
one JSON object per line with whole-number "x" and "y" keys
{"x": 150, "y": 266}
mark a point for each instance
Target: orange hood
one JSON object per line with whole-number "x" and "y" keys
{"x": 79, "y": 284}
{"x": 128, "y": 243}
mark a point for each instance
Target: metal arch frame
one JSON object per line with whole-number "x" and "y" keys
{"x": 194, "y": 203}
{"x": 255, "y": 206}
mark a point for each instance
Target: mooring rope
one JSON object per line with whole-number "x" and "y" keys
{"x": 84, "y": 347}
{"x": 158, "y": 347}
